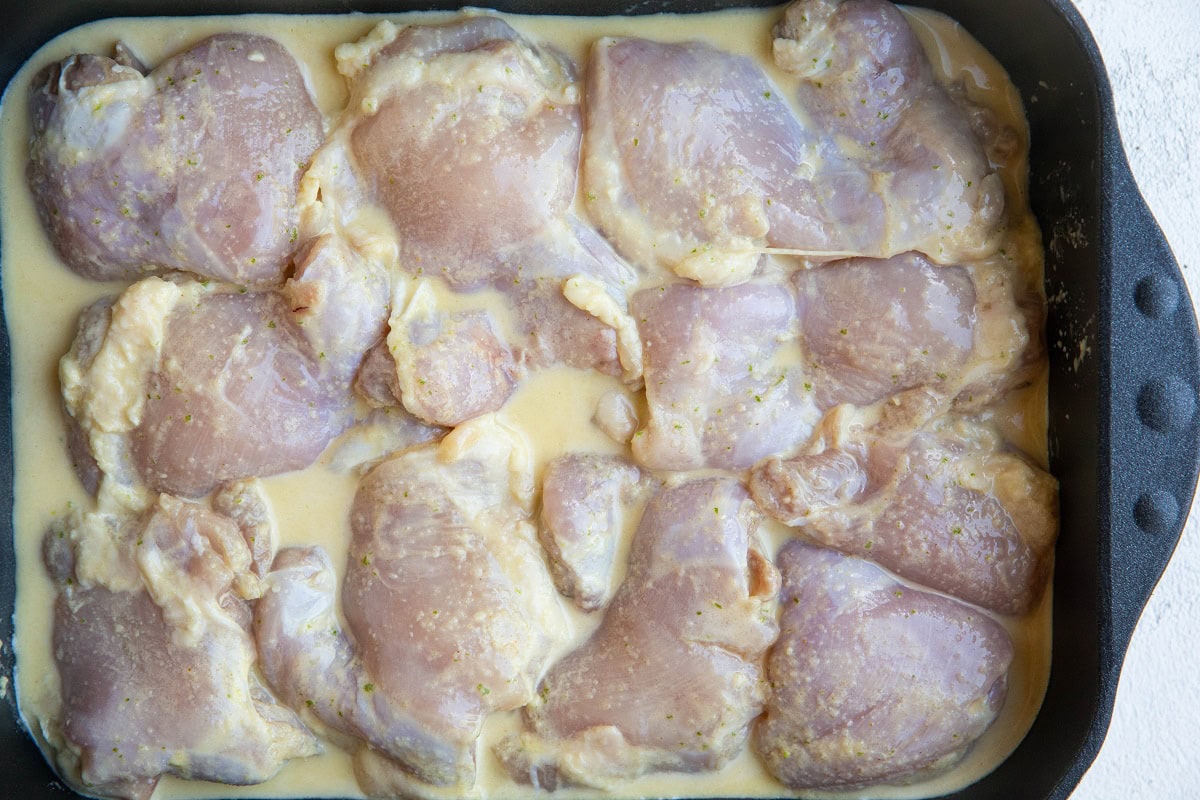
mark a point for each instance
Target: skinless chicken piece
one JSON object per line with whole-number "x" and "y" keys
{"x": 1010, "y": 339}
{"x": 792, "y": 489}
{"x": 450, "y": 366}
{"x": 179, "y": 386}
{"x": 723, "y": 390}
{"x": 586, "y": 499}
{"x": 155, "y": 658}
{"x": 866, "y": 79}
{"x": 882, "y": 162}
{"x": 557, "y": 324}
{"x": 694, "y": 162}
{"x": 949, "y": 509}
{"x": 616, "y": 416}
{"x": 874, "y": 328}
{"x": 874, "y": 682}
{"x": 467, "y": 136}
{"x": 377, "y": 382}
{"x": 193, "y": 167}
{"x": 450, "y": 610}
{"x": 670, "y": 680}
{"x": 446, "y": 366}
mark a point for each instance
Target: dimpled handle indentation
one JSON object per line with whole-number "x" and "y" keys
{"x": 1157, "y": 296}
{"x": 1156, "y": 512}
{"x": 1166, "y": 404}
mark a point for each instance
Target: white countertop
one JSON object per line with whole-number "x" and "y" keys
{"x": 1152, "y": 51}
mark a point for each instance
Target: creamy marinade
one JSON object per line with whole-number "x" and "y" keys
{"x": 552, "y": 410}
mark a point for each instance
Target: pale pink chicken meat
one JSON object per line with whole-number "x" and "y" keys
{"x": 467, "y": 136}
{"x": 693, "y": 160}
{"x": 178, "y": 387}
{"x": 476, "y": 152}
{"x": 193, "y": 167}
{"x": 865, "y": 77}
{"x": 447, "y": 366}
{"x": 874, "y": 328}
{"x": 152, "y": 646}
{"x": 671, "y": 679}
{"x": 723, "y": 381}
{"x": 451, "y": 613}
{"x": 586, "y": 500}
{"x": 553, "y": 330}
{"x": 949, "y": 509}
{"x": 451, "y": 367}
{"x": 874, "y": 682}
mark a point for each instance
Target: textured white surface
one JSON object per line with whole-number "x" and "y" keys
{"x": 1152, "y": 51}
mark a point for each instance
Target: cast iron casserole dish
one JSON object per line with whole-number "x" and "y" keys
{"x": 1124, "y": 358}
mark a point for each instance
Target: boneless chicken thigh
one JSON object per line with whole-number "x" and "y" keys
{"x": 670, "y": 680}
{"x": 874, "y": 682}
{"x": 466, "y": 137}
{"x": 873, "y": 328}
{"x": 950, "y": 509}
{"x": 450, "y": 611}
{"x": 192, "y": 167}
{"x": 695, "y": 162}
{"x": 586, "y": 500}
{"x": 156, "y": 661}
{"x": 865, "y": 78}
{"x": 723, "y": 381}
{"x": 178, "y": 386}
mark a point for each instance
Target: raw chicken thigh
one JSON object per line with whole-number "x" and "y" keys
{"x": 450, "y": 366}
{"x": 586, "y": 500}
{"x": 721, "y": 386}
{"x": 670, "y": 680}
{"x": 874, "y": 682}
{"x": 467, "y": 137}
{"x": 155, "y": 659}
{"x": 950, "y": 509}
{"x": 177, "y": 387}
{"x": 867, "y": 80}
{"x": 693, "y": 160}
{"x": 873, "y": 328}
{"x": 451, "y": 613}
{"x": 193, "y": 167}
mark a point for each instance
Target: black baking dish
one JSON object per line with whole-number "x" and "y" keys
{"x": 1124, "y": 357}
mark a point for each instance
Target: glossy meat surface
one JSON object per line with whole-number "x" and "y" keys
{"x": 471, "y": 146}
{"x": 451, "y": 613}
{"x": 722, "y": 388}
{"x": 694, "y": 161}
{"x": 193, "y": 167}
{"x": 865, "y": 77}
{"x": 873, "y": 328}
{"x": 466, "y": 136}
{"x": 154, "y": 655}
{"x": 586, "y": 500}
{"x": 178, "y": 387}
{"x": 874, "y": 682}
{"x": 951, "y": 509}
{"x": 670, "y": 681}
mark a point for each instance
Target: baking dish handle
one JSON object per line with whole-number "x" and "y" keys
{"x": 1154, "y": 426}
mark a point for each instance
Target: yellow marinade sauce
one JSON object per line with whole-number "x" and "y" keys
{"x": 43, "y": 298}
